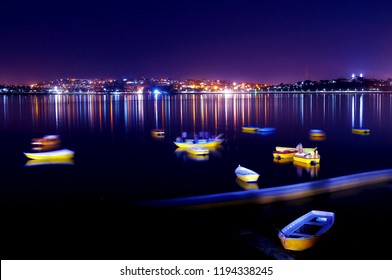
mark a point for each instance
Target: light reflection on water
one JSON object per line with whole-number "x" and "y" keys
{"x": 118, "y": 159}
{"x": 124, "y": 122}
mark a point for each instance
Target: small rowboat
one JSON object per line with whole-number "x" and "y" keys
{"x": 57, "y": 154}
{"x": 210, "y": 143}
{"x": 246, "y": 185}
{"x": 250, "y": 128}
{"x": 360, "y": 130}
{"x": 307, "y": 157}
{"x": 304, "y": 232}
{"x": 284, "y": 154}
{"x": 246, "y": 174}
{"x": 287, "y": 152}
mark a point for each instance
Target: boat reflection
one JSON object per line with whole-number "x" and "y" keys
{"x": 245, "y": 185}
{"x": 197, "y": 157}
{"x": 40, "y": 162}
{"x": 184, "y": 154}
{"x": 308, "y": 168}
{"x": 317, "y": 137}
{"x": 283, "y": 160}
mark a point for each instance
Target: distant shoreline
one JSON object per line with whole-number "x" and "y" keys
{"x": 178, "y": 93}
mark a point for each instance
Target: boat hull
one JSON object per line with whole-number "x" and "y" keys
{"x": 246, "y": 175}
{"x": 39, "y": 162}
{"x": 250, "y": 128}
{"x": 282, "y": 155}
{"x": 248, "y": 178}
{"x": 287, "y": 152}
{"x": 55, "y": 155}
{"x": 298, "y": 244}
{"x": 304, "y": 232}
{"x": 211, "y": 144}
{"x": 307, "y": 160}
{"x": 360, "y": 131}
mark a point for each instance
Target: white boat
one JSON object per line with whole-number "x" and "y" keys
{"x": 246, "y": 174}
{"x": 304, "y": 232}
{"x": 57, "y": 154}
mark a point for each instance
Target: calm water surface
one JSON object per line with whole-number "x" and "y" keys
{"x": 88, "y": 209}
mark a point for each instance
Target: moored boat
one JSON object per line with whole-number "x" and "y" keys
{"x": 207, "y": 143}
{"x": 360, "y": 130}
{"x": 305, "y": 156}
{"x": 246, "y": 175}
{"x": 250, "y": 128}
{"x": 288, "y": 152}
{"x": 57, "y": 154}
{"x": 304, "y": 232}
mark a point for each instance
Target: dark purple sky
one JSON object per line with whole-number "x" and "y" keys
{"x": 246, "y": 40}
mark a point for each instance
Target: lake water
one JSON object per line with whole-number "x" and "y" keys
{"x": 91, "y": 207}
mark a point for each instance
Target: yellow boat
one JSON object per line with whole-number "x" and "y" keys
{"x": 38, "y": 162}
{"x": 282, "y": 149}
{"x": 360, "y": 130}
{"x": 250, "y": 128}
{"x": 283, "y": 160}
{"x": 206, "y": 143}
{"x": 283, "y": 155}
{"x": 245, "y": 185}
{"x": 288, "y": 152}
{"x": 246, "y": 174}
{"x": 54, "y": 155}
{"x": 304, "y": 232}
{"x": 307, "y": 157}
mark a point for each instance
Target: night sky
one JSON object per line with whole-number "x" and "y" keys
{"x": 268, "y": 41}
